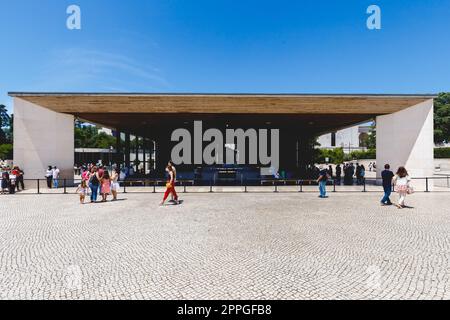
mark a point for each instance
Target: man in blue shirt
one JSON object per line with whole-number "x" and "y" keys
{"x": 387, "y": 176}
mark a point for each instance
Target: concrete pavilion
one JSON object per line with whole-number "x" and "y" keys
{"x": 44, "y": 123}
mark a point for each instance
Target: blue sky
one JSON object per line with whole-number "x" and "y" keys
{"x": 225, "y": 46}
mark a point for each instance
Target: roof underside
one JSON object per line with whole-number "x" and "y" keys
{"x": 136, "y": 112}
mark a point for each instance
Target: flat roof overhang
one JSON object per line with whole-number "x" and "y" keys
{"x": 137, "y": 111}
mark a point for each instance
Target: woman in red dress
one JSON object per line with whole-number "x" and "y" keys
{"x": 170, "y": 186}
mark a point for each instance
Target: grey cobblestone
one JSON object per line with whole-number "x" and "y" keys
{"x": 230, "y": 246}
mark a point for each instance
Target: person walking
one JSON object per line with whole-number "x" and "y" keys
{"x": 94, "y": 184}
{"x": 170, "y": 164}
{"x": 402, "y": 186}
{"x": 387, "y": 176}
{"x": 55, "y": 176}
{"x": 115, "y": 186}
{"x": 82, "y": 191}
{"x": 322, "y": 181}
{"x": 49, "y": 176}
{"x": 105, "y": 185}
{"x": 170, "y": 186}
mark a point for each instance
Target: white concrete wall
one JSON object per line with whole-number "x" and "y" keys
{"x": 405, "y": 138}
{"x": 42, "y": 138}
{"x": 344, "y": 137}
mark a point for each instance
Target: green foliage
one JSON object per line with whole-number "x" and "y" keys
{"x": 6, "y": 151}
{"x": 333, "y": 155}
{"x": 442, "y": 118}
{"x": 4, "y": 123}
{"x": 442, "y": 153}
{"x": 338, "y": 156}
{"x": 88, "y": 137}
{"x": 361, "y": 155}
{"x": 371, "y": 143}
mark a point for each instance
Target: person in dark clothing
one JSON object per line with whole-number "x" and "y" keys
{"x": 49, "y": 177}
{"x": 387, "y": 176}
{"x": 5, "y": 181}
{"x": 12, "y": 183}
{"x": 349, "y": 172}
{"x": 358, "y": 174}
{"x": 20, "y": 181}
{"x": 338, "y": 174}
{"x": 330, "y": 171}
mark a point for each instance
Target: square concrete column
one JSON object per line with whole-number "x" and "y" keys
{"x": 405, "y": 138}
{"x": 41, "y": 138}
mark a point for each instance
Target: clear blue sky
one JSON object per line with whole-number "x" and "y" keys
{"x": 225, "y": 46}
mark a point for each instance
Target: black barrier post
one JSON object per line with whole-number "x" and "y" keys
{"x": 184, "y": 187}
{"x": 426, "y": 180}
{"x": 65, "y": 187}
{"x": 124, "y": 186}
{"x": 154, "y": 186}
{"x": 300, "y": 182}
{"x": 276, "y": 186}
{"x": 38, "y": 188}
{"x": 334, "y": 185}
{"x": 210, "y": 186}
{"x": 364, "y": 184}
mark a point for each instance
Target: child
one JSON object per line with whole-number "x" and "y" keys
{"x": 402, "y": 186}
{"x": 106, "y": 186}
{"x": 82, "y": 190}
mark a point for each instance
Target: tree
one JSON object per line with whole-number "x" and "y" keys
{"x": 442, "y": 118}
{"x": 371, "y": 142}
{"x": 4, "y": 122}
{"x": 87, "y": 136}
{"x": 10, "y": 130}
{"x": 6, "y": 151}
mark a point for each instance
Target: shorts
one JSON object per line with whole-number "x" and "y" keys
{"x": 115, "y": 186}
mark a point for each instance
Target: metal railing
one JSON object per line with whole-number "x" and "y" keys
{"x": 68, "y": 186}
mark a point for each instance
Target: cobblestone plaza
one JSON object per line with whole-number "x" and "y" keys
{"x": 225, "y": 246}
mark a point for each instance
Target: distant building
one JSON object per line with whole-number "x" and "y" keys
{"x": 350, "y": 139}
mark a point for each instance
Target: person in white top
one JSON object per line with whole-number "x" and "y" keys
{"x": 115, "y": 186}
{"x": 55, "y": 173}
{"x": 49, "y": 177}
{"x": 402, "y": 183}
